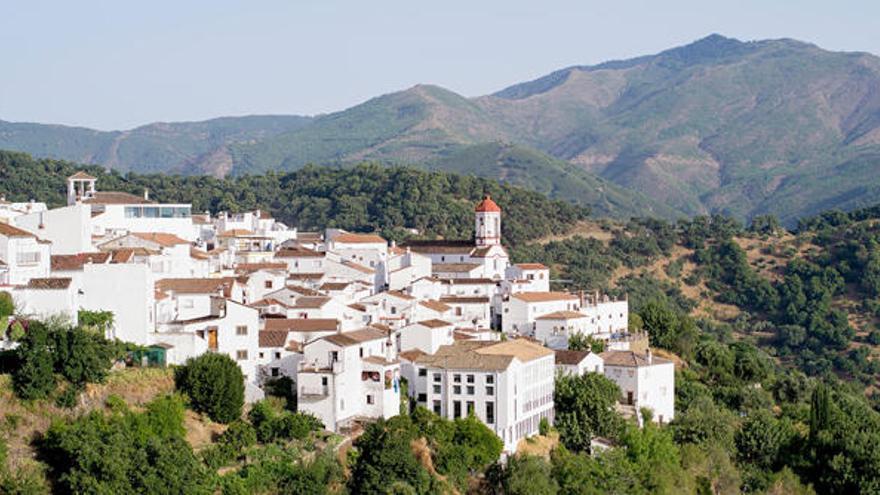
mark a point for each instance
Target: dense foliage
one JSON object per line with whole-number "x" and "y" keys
{"x": 366, "y": 197}
{"x": 214, "y": 384}
{"x": 126, "y": 452}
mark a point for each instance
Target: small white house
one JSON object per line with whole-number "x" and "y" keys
{"x": 570, "y": 362}
{"x": 644, "y": 381}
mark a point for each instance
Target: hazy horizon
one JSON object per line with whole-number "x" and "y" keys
{"x": 115, "y": 67}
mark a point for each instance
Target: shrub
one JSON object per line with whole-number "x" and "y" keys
{"x": 271, "y": 425}
{"x": 82, "y": 356}
{"x": 544, "y": 427}
{"x": 214, "y": 384}
{"x": 33, "y": 379}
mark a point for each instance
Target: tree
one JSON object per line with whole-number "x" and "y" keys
{"x": 762, "y": 439}
{"x": 385, "y": 458}
{"x": 585, "y": 408}
{"x": 82, "y": 356}
{"x": 820, "y": 410}
{"x": 581, "y": 342}
{"x": 704, "y": 422}
{"x": 527, "y": 475}
{"x": 214, "y": 384}
{"x": 34, "y": 378}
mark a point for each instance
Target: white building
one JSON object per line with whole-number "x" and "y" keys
{"x": 507, "y": 385}
{"x": 69, "y": 228}
{"x": 427, "y": 336}
{"x": 644, "y": 381}
{"x": 117, "y": 213}
{"x": 522, "y": 310}
{"x": 23, "y": 255}
{"x": 347, "y": 377}
{"x": 535, "y": 277}
{"x": 578, "y": 362}
{"x": 485, "y": 250}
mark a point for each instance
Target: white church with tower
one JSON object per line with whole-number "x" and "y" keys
{"x": 482, "y": 258}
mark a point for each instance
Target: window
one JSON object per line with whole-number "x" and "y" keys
{"x": 370, "y": 399}
{"x": 436, "y": 407}
{"x": 470, "y": 407}
{"x": 490, "y": 378}
{"x": 28, "y": 258}
{"x": 423, "y": 372}
{"x": 456, "y": 378}
{"x": 241, "y": 330}
{"x": 436, "y": 389}
{"x": 423, "y": 398}
{"x": 436, "y": 377}
{"x": 262, "y": 355}
{"x": 470, "y": 378}
{"x": 267, "y": 284}
{"x": 324, "y": 381}
{"x": 470, "y": 390}
{"x": 456, "y": 389}
{"x": 456, "y": 409}
{"x": 361, "y": 351}
{"x": 277, "y": 355}
{"x": 241, "y": 355}
{"x": 490, "y": 390}
{"x": 490, "y": 412}
{"x": 393, "y": 310}
{"x": 275, "y": 371}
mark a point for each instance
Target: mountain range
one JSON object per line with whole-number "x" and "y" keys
{"x": 715, "y": 126}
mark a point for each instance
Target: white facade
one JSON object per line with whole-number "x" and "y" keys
{"x": 24, "y": 256}
{"x": 427, "y": 336}
{"x": 348, "y": 376}
{"x": 507, "y": 385}
{"x": 68, "y": 228}
{"x": 644, "y": 381}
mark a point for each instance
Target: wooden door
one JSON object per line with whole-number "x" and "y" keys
{"x": 212, "y": 338}
{"x": 629, "y": 398}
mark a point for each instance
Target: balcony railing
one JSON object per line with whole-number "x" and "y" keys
{"x": 314, "y": 391}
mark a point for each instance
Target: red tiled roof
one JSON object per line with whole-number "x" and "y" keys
{"x": 435, "y": 305}
{"x": 544, "y": 296}
{"x": 349, "y": 238}
{"x": 487, "y": 205}
{"x": 165, "y": 240}
{"x": 355, "y": 337}
{"x": 272, "y": 338}
{"x": 569, "y": 357}
{"x": 562, "y": 315}
{"x": 531, "y": 266}
{"x": 303, "y": 324}
{"x": 50, "y": 283}
{"x": 13, "y": 231}
{"x": 298, "y": 252}
{"x": 67, "y": 262}
{"x": 80, "y": 175}
{"x": 116, "y": 198}
{"x": 252, "y": 267}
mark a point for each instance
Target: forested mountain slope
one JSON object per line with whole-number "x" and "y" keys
{"x": 716, "y": 126}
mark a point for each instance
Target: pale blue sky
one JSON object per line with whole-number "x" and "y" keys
{"x": 116, "y": 65}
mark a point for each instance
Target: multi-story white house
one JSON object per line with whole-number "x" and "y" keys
{"x": 349, "y": 376}
{"x": 427, "y": 336}
{"x": 644, "y": 381}
{"x": 522, "y": 310}
{"x": 23, "y": 255}
{"x": 507, "y": 385}
{"x": 533, "y": 277}
{"x": 117, "y": 213}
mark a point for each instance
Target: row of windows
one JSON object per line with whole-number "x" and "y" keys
{"x": 456, "y": 378}
{"x": 158, "y": 212}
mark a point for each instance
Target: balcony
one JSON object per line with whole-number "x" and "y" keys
{"x": 313, "y": 392}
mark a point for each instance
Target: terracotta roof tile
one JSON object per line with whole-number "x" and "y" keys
{"x": 454, "y": 267}
{"x": 162, "y": 239}
{"x": 434, "y": 323}
{"x": 80, "y": 175}
{"x": 298, "y": 252}
{"x": 531, "y": 266}
{"x": 272, "y": 338}
{"x": 544, "y": 296}
{"x": 116, "y": 198}
{"x": 253, "y": 267}
{"x": 435, "y": 305}
{"x": 629, "y": 359}
{"x": 303, "y": 324}
{"x": 562, "y": 315}
{"x": 13, "y": 231}
{"x": 311, "y": 302}
{"x": 356, "y": 337}
{"x": 50, "y": 283}
{"x": 350, "y": 238}
{"x": 487, "y": 205}
{"x": 569, "y": 357}
{"x": 67, "y": 262}
{"x": 465, "y": 299}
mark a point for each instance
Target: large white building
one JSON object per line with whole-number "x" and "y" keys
{"x": 507, "y": 385}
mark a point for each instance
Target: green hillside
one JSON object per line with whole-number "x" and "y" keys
{"x": 526, "y": 167}
{"x": 716, "y": 126}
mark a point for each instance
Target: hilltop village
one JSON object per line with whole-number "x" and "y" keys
{"x": 352, "y": 320}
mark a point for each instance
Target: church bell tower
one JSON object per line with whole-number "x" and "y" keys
{"x": 488, "y": 223}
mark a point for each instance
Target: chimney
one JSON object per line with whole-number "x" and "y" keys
{"x": 146, "y": 194}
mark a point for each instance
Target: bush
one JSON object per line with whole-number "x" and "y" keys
{"x": 214, "y": 384}
{"x": 271, "y": 425}
{"x": 82, "y": 356}
{"x": 544, "y": 427}
{"x": 34, "y": 379}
